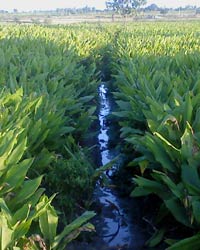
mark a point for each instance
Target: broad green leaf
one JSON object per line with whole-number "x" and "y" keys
{"x": 41, "y": 139}
{"x": 166, "y": 142}
{"x": 178, "y": 211}
{"x": 16, "y": 175}
{"x": 102, "y": 169}
{"x": 17, "y": 153}
{"x": 6, "y": 211}
{"x": 28, "y": 189}
{"x": 149, "y": 186}
{"x": 74, "y": 234}
{"x": 6, "y": 233}
{"x": 48, "y": 223}
{"x": 196, "y": 209}
{"x": 188, "y": 108}
{"x": 36, "y": 196}
{"x": 77, "y": 223}
{"x": 43, "y": 159}
{"x": 125, "y": 131}
{"x": 21, "y": 215}
{"x": 171, "y": 242}
{"x": 196, "y": 122}
{"x": 43, "y": 205}
{"x": 170, "y": 184}
{"x": 187, "y": 142}
{"x": 86, "y": 99}
{"x": 66, "y": 130}
{"x": 191, "y": 243}
{"x": 156, "y": 238}
{"x": 190, "y": 178}
{"x": 21, "y": 229}
{"x": 160, "y": 154}
{"x": 140, "y": 191}
{"x": 6, "y": 148}
{"x": 91, "y": 111}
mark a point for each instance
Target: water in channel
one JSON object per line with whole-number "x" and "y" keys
{"x": 117, "y": 223}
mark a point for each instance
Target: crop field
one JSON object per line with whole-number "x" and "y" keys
{"x": 49, "y": 76}
{"x": 157, "y": 92}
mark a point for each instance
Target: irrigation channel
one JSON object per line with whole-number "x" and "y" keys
{"x": 118, "y": 220}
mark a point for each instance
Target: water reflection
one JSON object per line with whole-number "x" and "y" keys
{"x": 115, "y": 226}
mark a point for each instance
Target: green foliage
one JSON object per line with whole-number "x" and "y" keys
{"x": 186, "y": 244}
{"x": 71, "y": 175}
{"x": 124, "y": 6}
{"x": 156, "y": 238}
{"x": 47, "y": 105}
{"x": 157, "y": 93}
{"x": 47, "y": 102}
{"x": 22, "y": 204}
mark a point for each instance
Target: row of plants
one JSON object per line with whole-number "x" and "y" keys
{"x": 156, "y": 72}
{"x": 48, "y": 80}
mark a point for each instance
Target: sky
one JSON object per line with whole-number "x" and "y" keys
{"x": 26, "y": 5}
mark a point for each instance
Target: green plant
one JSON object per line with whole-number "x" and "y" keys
{"x": 157, "y": 93}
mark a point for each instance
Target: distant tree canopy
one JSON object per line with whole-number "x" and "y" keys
{"x": 84, "y": 10}
{"x": 124, "y": 7}
{"x": 152, "y": 7}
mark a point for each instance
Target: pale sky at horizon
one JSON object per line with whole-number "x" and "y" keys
{"x": 26, "y": 5}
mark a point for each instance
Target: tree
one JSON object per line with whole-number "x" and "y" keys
{"x": 152, "y": 7}
{"x": 124, "y": 7}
